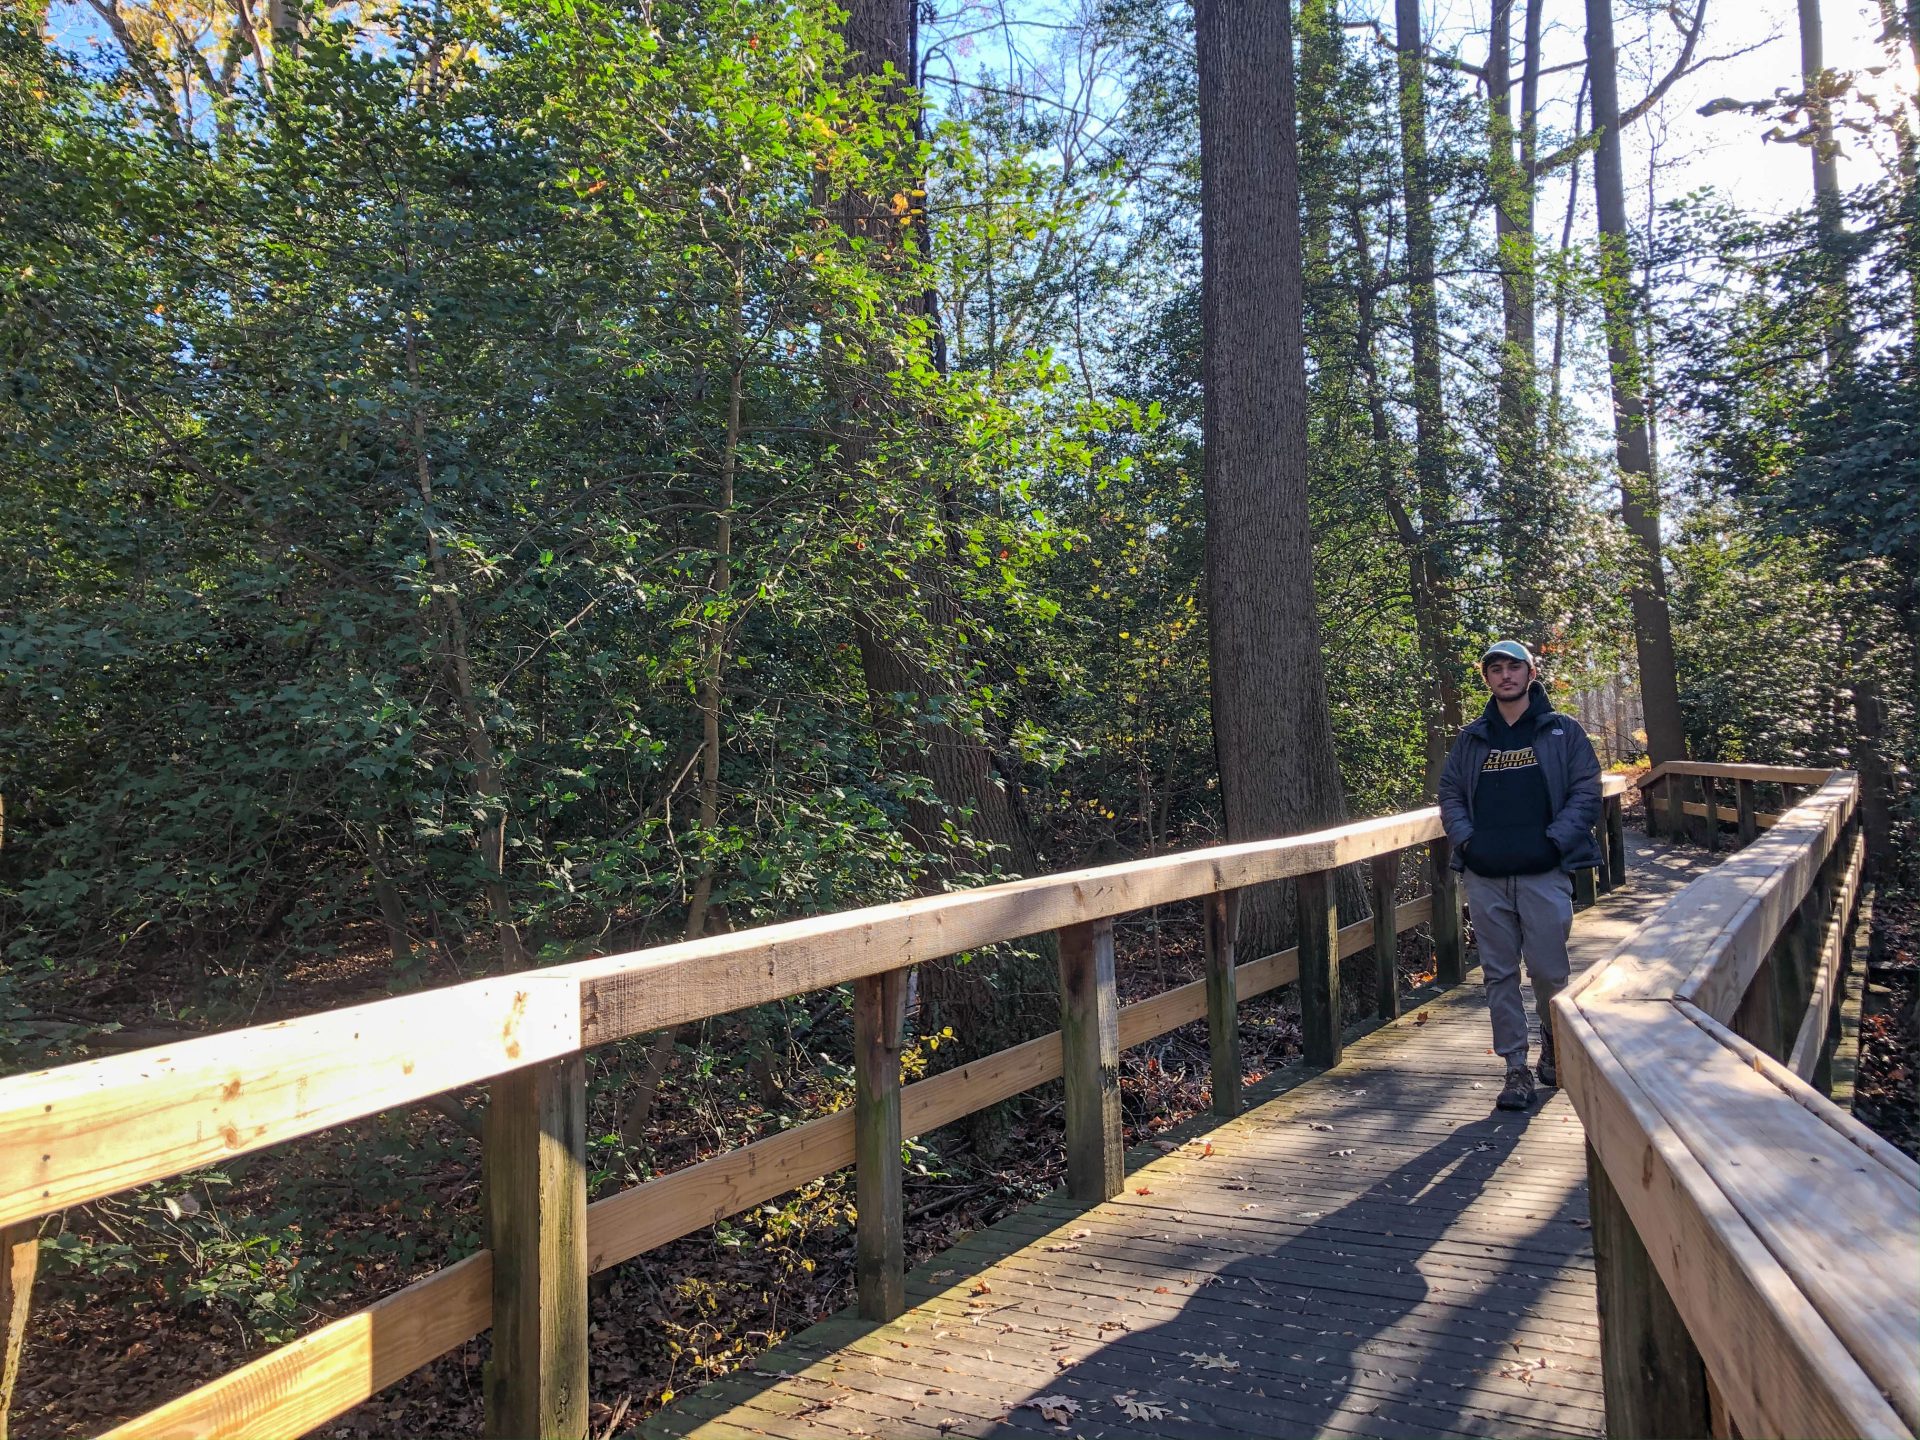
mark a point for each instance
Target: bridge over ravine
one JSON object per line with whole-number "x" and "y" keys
{"x": 1370, "y": 1250}
{"x": 1688, "y": 1240}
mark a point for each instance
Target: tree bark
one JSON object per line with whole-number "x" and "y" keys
{"x": 987, "y": 1004}
{"x": 1434, "y": 501}
{"x": 1639, "y": 495}
{"x": 1273, "y": 732}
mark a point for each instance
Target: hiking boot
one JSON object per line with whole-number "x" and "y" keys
{"x": 1517, "y": 1093}
{"x": 1549, "y": 1074}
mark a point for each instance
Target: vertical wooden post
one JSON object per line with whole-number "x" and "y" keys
{"x": 1710, "y": 797}
{"x": 1319, "y": 968}
{"x": 1222, "y": 922}
{"x": 880, "y": 1235}
{"x": 1616, "y": 825}
{"x": 1749, "y": 824}
{"x": 1584, "y": 890}
{"x": 19, "y": 1255}
{"x": 1090, "y": 1045}
{"x": 1386, "y": 936}
{"x": 1603, "y": 833}
{"x": 536, "y": 1188}
{"x": 1651, "y": 1373}
{"x": 1449, "y": 933}
{"x": 1650, "y": 808}
{"x": 1676, "y": 821}
{"x": 1756, "y": 1019}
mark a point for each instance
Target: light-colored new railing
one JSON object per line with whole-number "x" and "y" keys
{"x": 74, "y": 1134}
{"x": 1758, "y": 1249}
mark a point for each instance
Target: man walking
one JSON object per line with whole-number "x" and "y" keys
{"x": 1519, "y": 795}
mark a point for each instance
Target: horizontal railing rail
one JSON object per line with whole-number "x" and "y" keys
{"x": 81, "y": 1132}
{"x": 1758, "y": 1249}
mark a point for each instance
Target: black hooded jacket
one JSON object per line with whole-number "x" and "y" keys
{"x": 1564, "y": 762}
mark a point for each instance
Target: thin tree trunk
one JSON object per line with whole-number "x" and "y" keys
{"x": 1829, "y": 214}
{"x": 1430, "y": 466}
{"x": 1639, "y": 496}
{"x": 1273, "y": 733}
{"x": 1561, "y": 289}
{"x": 1426, "y": 627}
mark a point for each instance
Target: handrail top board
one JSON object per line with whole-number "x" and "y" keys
{"x": 1733, "y": 770}
{"x": 1706, "y": 942}
{"x": 1788, "y": 1170}
{"x": 81, "y": 1131}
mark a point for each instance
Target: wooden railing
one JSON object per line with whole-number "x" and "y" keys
{"x": 1758, "y": 1250}
{"x": 78, "y": 1133}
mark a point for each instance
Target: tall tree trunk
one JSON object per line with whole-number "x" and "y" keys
{"x": 1639, "y": 496}
{"x": 1428, "y": 638}
{"x": 1829, "y": 216}
{"x": 987, "y": 1005}
{"x": 1273, "y": 733}
{"x": 1516, "y": 437}
{"x": 1430, "y": 467}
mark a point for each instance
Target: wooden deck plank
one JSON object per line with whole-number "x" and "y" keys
{"x": 1371, "y": 1251}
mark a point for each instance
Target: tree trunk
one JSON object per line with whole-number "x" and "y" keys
{"x": 1829, "y": 215}
{"x": 1430, "y": 468}
{"x": 1273, "y": 733}
{"x": 1639, "y": 496}
{"x": 987, "y": 1005}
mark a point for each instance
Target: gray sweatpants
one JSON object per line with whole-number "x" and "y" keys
{"x": 1515, "y": 916}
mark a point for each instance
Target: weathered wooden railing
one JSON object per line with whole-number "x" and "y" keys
{"x": 74, "y": 1134}
{"x": 1758, "y": 1249}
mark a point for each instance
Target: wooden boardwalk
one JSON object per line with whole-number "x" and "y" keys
{"x": 1369, "y": 1251}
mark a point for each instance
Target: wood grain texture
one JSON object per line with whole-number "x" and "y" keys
{"x": 1384, "y": 882}
{"x": 82, "y": 1131}
{"x": 536, "y": 1196}
{"x": 1090, "y": 1056}
{"x": 19, "y": 1258}
{"x": 1655, "y": 1381}
{"x": 1220, "y": 918}
{"x": 649, "y": 990}
{"x": 1828, "y": 979}
{"x": 1321, "y": 1017}
{"x": 1781, "y": 1370}
{"x": 880, "y": 1266}
{"x": 1449, "y": 926}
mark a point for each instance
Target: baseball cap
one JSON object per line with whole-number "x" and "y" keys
{"x": 1512, "y": 650}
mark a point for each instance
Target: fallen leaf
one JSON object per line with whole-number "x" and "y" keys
{"x": 1338, "y": 1153}
{"x": 1143, "y": 1190}
{"x": 1316, "y": 1125}
{"x": 1140, "y": 1409}
{"x": 1584, "y": 1224}
{"x": 1069, "y": 1245}
{"x": 1080, "y": 1234}
{"x": 1057, "y": 1408}
{"x": 981, "y": 1287}
{"x": 943, "y": 1274}
{"x": 1207, "y": 1151}
{"x": 1204, "y": 1361}
{"x": 1421, "y": 1018}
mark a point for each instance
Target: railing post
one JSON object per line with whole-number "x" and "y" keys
{"x": 1386, "y": 936}
{"x": 1090, "y": 1050}
{"x": 1710, "y": 797}
{"x": 1616, "y": 827}
{"x": 1651, "y": 1373}
{"x": 1449, "y": 947}
{"x": 1319, "y": 968}
{"x": 1756, "y": 1019}
{"x": 880, "y": 1259}
{"x": 1749, "y": 822}
{"x": 19, "y": 1257}
{"x": 1222, "y": 912}
{"x": 1603, "y": 833}
{"x": 536, "y": 1196}
{"x": 1584, "y": 889}
{"x": 1650, "y": 807}
{"x": 1676, "y": 821}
